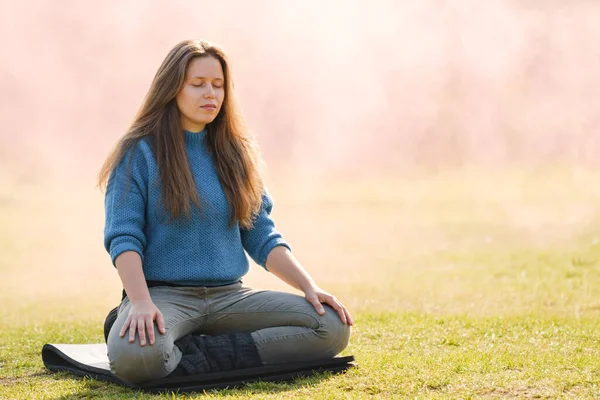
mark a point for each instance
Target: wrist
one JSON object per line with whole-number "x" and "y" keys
{"x": 139, "y": 297}
{"x": 308, "y": 286}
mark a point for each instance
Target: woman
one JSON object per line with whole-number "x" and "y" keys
{"x": 184, "y": 203}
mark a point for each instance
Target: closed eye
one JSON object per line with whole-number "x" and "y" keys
{"x": 218, "y": 86}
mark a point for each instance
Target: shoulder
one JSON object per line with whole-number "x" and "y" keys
{"x": 137, "y": 162}
{"x": 141, "y": 150}
{"x": 139, "y": 156}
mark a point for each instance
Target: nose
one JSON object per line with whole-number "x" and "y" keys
{"x": 210, "y": 92}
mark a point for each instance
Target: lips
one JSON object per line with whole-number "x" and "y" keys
{"x": 209, "y": 107}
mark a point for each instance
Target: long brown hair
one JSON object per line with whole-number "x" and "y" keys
{"x": 234, "y": 151}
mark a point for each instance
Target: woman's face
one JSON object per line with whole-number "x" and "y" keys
{"x": 202, "y": 94}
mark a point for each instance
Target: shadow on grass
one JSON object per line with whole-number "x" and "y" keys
{"x": 15, "y": 380}
{"x": 100, "y": 389}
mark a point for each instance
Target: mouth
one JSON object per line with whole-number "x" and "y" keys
{"x": 209, "y": 107}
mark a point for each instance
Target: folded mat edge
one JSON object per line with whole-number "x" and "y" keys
{"x": 62, "y": 357}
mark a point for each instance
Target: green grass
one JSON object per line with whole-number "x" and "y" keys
{"x": 399, "y": 354}
{"x": 463, "y": 285}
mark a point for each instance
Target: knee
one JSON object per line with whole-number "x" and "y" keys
{"x": 134, "y": 363}
{"x": 334, "y": 332}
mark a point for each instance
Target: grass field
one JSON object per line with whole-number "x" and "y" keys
{"x": 464, "y": 284}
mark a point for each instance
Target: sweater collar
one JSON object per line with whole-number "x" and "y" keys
{"x": 195, "y": 138}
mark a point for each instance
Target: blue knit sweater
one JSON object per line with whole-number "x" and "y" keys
{"x": 203, "y": 250}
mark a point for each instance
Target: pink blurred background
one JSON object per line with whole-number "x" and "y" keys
{"x": 336, "y": 87}
{"x": 401, "y": 129}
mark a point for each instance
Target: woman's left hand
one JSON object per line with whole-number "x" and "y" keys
{"x": 316, "y": 296}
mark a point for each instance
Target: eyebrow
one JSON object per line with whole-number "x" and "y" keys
{"x": 203, "y": 77}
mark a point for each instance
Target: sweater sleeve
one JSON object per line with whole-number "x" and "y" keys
{"x": 125, "y": 205}
{"x": 262, "y": 237}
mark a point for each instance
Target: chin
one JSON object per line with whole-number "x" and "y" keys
{"x": 204, "y": 121}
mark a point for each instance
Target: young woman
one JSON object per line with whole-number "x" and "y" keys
{"x": 184, "y": 204}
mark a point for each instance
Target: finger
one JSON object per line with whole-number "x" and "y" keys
{"x": 316, "y": 304}
{"x": 341, "y": 313}
{"x": 132, "y": 326}
{"x": 150, "y": 328}
{"x": 124, "y": 327}
{"x": 160, "y": 322}
{"x": 337, "y": 306}
{"x": 349, "y": 317}
{"x": 141, "y": 327}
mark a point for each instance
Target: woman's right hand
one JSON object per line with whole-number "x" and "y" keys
{"x": 141, "y": 318}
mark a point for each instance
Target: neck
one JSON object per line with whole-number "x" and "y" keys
{"x": 194, "y": 138}
{"x": 193, "y": 128}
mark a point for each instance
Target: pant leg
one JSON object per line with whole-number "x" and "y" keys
{"x": 184, "y": 311}
{"x": 284, "y": 326}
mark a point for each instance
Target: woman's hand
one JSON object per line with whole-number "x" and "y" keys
{"x": 316, "y": 296}
{"x": 142, "y": 315}
{"x": 282, "y": 263}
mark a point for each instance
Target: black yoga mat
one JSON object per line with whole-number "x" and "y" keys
{"x": 91, "y": 360}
